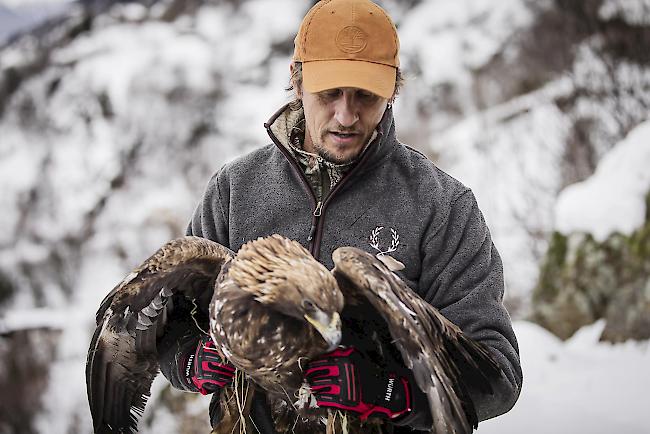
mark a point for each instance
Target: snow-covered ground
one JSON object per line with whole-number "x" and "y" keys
{"x": 578, "y": 386}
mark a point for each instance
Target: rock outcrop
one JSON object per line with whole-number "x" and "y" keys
{"x": 583, "y": 280}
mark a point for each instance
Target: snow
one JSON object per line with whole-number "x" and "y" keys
{"x": 449, "y": 38}
{"x": 509, "y": 156}
{"x": 76, "y": 322}
{"x": 578, "y": 386}
{"x": 32, "y": 319}
{"x": 189, "y": 60}
{"x": 613, "y": 198}
{"x": 635, "y": 12}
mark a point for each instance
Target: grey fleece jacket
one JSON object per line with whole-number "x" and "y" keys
{"x": 393, "y": 200}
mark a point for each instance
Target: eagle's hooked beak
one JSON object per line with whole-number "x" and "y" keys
{"x": 329, "y": 328}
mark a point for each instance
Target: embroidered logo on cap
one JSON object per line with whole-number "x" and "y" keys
{"x": 351, "y": 39}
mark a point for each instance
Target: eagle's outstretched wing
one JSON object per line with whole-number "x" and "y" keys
{"x": 443, "y": 360}
{"x": 122, "y": 359}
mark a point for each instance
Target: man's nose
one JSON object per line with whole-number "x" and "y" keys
{"x": 346, "y": 112}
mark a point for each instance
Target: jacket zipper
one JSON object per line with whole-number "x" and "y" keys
{"x": 316, "y": 231}
{"x": 318, "y": 206}
{"x": 314, "y": 223}
{"x": 318, "y": 221}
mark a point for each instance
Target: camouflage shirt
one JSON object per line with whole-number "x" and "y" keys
{"x": 321, "y": 174}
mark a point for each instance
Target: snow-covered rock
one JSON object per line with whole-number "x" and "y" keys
{"x": 598, "y": 261}
{"x": 613, "y": 199}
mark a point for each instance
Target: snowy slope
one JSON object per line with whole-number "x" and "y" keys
{"x": 577, "y": 386}
{"x": 106, "y": 151}
{"x": 510, "y": 156}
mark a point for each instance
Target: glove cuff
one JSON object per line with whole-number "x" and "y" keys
{"x": 396, "y": 399}
{"x": 185, "y": 365}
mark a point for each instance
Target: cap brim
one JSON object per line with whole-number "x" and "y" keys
{"x": 321, "y": 75}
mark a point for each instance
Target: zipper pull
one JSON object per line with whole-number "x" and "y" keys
{"x": 312, "y": 231}
{"x": 318, "y": 210}
{"x": 317, "y": 213}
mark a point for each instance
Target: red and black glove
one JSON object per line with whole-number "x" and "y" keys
{"x": 347, "y": 380}
{"x": 205, "y": 370}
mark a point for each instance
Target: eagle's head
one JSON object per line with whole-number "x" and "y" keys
{"x": 281, "y": 274}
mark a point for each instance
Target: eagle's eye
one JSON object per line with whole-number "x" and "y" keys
{"x": 308, "y": 306}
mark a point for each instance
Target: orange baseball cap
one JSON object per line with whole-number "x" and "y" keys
{"x": 348, "y": 43}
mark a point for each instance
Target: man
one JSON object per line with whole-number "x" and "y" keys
{"x": 335, "y": 176}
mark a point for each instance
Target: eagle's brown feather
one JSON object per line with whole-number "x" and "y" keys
{"x": 258, "y": 312}
{"x": 438, "y": 353}
{"x": 122, "y": 358}
{"x": 257, "y": 317}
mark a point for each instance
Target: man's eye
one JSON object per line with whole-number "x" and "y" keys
{"x": 366, "y": 96}
{"x": 331, "y": 94}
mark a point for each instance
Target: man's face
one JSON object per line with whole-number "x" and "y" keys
{"x": 340, "y": 121}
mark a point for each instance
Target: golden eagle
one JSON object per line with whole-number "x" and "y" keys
{"x": 273, "y": 308}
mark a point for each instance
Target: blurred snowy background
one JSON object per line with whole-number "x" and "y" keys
{"x": 114, "y": 114}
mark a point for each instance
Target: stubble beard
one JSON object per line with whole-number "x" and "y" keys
{"x": 331, "y": 157}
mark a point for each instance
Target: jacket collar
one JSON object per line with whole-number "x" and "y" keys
{"x": 283, "y": 121}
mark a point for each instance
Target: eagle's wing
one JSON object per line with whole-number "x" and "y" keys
{"x": 440, "y": 356}
{"x": 122, "y": 358}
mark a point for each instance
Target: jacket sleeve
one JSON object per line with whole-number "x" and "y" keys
{"x": 210, "y": 218}
{"x": 181, "y": 333}
{"x": 462, "y": 276}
